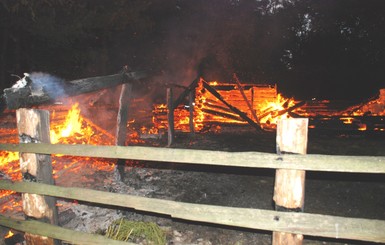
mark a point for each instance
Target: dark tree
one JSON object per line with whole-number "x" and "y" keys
{"x": 69, "y": 38}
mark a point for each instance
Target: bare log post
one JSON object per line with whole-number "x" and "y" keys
{"x": 191, "y": 110}
{"x": 289, "y": 188}
{"x": 33, "y": 127}
{"x": 170, "y": 117}
{"x": 121, "y": 129}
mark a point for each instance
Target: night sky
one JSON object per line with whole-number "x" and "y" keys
{"x": 330, "y": 49}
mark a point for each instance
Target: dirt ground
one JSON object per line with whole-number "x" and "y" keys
{"x": 348, "y": 195}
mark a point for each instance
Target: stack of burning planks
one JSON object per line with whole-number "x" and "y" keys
{"x": 228, "y": 104}
{"x": 260, "y": 106}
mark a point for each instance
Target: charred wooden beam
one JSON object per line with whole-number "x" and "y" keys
{"x": 234, "y": 109}
{"x": 191, "y": 99}
{"x": 186, "y": 92}
{"x": 240, "y": 88}
{"x": 38, "y": 92}
{"x": 281, "y": 112}
{"x": 170, "y": 118}
{"x": 290, "y": 109}
{"x": 121, "y": 129}
{"x": 217, "y": 107}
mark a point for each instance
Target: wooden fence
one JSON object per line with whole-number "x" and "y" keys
{"x": 286, "y": 222}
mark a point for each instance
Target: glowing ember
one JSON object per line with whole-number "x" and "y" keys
{"x": 271, "y": 111}
{"x": 9, "y": 234}
{"x": 347, "y": 120}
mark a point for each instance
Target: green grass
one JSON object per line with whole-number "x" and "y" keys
{"x": 123, "y": 230}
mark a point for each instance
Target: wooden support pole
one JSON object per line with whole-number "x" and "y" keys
{"x": 183, "y": 95}
{"x": 121, "y": 129}
{"x": 170, "y": 117}
{"x": 33, "y": 127}
{"x": 289, "y": 188}
{"x": 191, "y": 111}
{"x": 240, "y": 88}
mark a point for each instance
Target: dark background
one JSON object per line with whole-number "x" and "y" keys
{"x": 329, "y": 49}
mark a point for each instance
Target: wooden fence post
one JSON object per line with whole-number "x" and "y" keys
{"x": 121, "y": 128}
{"x": 289, "y": 188}
{"x": 33, "y": 127}
{"x": 191, "y": 111}
{"x": 170, "y": 117}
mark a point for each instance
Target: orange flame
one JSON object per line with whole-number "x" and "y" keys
{"x": 209, "y": 110}
{"x": 9, "y": 234}
{"x": 73, "y": 126}
{"x": 74, "y": 130}
{"x": 268, "y": 113}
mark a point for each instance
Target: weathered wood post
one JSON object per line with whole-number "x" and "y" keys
{"x": 121, "y": 129}
{"x": 191, "y": 111}
{"x": 170, "y": 117}
{"x": 289, "y": 188}
{"x": 33, "y": 127}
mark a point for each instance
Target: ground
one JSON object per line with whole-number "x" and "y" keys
{"x": 348, "y": 195}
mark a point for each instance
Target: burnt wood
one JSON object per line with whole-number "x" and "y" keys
{"x": 234, "y": 109}
{"x": 240, "y": 88}
{"x": 29, "y": 96}
{"x": 186, "y": 92}
{"x": 170, "y": 118}
{"x": 281, "y": 112}
{"x": 121, "y": 129}
{"x": 222, "y": 114}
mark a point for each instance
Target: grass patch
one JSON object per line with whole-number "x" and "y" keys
{"x": 123, "y": 230}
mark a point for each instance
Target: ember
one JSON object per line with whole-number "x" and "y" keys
{"x": 10, "y": 234}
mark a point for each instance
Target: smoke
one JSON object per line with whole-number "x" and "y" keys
{"x": 198, "y": 37}
{"x": 51, "y": 84}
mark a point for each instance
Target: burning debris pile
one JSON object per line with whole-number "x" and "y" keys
{"x": 216, "y": 104}
{"x": 372, "y": 107}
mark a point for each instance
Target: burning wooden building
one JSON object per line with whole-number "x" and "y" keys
{"x": 218, "y": 103}
{"x": 214, "y": 104}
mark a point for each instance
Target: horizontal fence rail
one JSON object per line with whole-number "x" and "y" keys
{"x": 291, "y": 222}
{"x": 309, "y": 162}
{"x": 56, "y": 232}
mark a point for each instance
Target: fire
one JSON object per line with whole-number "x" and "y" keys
{"x": 9, "y": 234}
{"x": 210, "y": 112}
{"x": 72, "y": 127}
{"x": 73, "y": 130}
{"x": 217, "y": 104}
{"x": 271, "y": 111}
{"x": 347, "y": 120}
